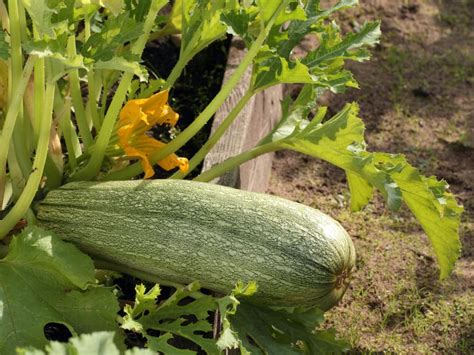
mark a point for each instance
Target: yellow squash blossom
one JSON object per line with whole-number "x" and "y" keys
{"x": 136, "y": 118}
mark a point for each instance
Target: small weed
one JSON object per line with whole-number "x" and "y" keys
{"x": 448, "y": 19}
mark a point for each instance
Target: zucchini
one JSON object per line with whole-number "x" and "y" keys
{"x": 181, "y": 231}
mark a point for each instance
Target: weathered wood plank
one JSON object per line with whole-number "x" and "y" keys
{"x": 256, "y": 119}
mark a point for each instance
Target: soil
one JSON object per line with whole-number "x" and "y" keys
{"x": 416, "y": 98}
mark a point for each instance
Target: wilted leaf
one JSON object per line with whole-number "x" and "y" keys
{"x": 263, "y": 330}
{"x": 361, "y": 191}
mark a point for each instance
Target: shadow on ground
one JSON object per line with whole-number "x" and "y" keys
{"x": 416, "y": 99}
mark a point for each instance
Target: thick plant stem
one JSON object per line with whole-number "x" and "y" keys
{"x": 22, "y": 19}
{"x": 39, "y": 82}
{"x": 16, "y": 55}
{"x": 24, "y": 201}
{"x": 176, "y": 72}
{"x": 200, "y": 121}
{"x": 92, "y": 168}
{"x": 14, "y": 174}
{"x": 10, "y": 119}
{"x": 231, "y": 163}
{"x": 185, "y": 57}
{"x": 20, "y": 139}
{"x": 20, "y": 132}
{"x": 51, "y": 171}
{"x": 94, "y": 90}
{"x": 63, "y": 112}
{"x": 213, "y": 139}
{"x": 80, "y": 113}
{"x": 135, "y": 169}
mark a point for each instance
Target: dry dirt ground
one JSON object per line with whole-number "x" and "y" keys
{"x": 416, "y": 98}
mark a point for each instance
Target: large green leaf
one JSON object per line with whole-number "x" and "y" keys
{"x": 340, "y": 141}
{"x": 263, "y": 330}
{"x": 160, "y": 324}
{"x": 227, "y": 307}
{"x": 201, "y": 24}
{"x": 116, "y": 32}
{"x": 298, "y": 29}
{"x": 313, "y": 7}
{"x": 43, "y": 280}
{"x": 98, "y": 343}
{"x": 256, "y": 329}
{"x": 267, "y": 8}
{"x": 41, "y": 16}
{"x": 186, "y": 315}
{"x": 334, "y": 47}
{"x": 114, "y": 6}
{"x": 324, "y": 66}
{"x": 238, "y": 23}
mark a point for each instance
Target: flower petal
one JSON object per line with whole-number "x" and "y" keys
{"x": 172, "y": 161}
{"x": 169, "y": 116}
{"x": 144, "y": 160}
{"x": 145, "y": 147}
{"x": 137, "y": 117}
{"x": 131, "y": 113}
{"x": 154, "y": 102}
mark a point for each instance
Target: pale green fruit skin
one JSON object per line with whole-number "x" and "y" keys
{"x": 182, "y": 231}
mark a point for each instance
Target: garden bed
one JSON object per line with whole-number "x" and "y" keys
{"x": 84, "y": 123}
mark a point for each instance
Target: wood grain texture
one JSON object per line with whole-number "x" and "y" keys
{"x": 257, "y": 119}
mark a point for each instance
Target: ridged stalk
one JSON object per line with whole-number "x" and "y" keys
{"x": 135, "y": 169}
{"x": 24, "y": 201}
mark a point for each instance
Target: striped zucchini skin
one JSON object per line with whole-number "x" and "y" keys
{"x": 181, "y": 231}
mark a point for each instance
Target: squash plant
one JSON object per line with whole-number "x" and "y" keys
{"x": 76, "y": 105}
